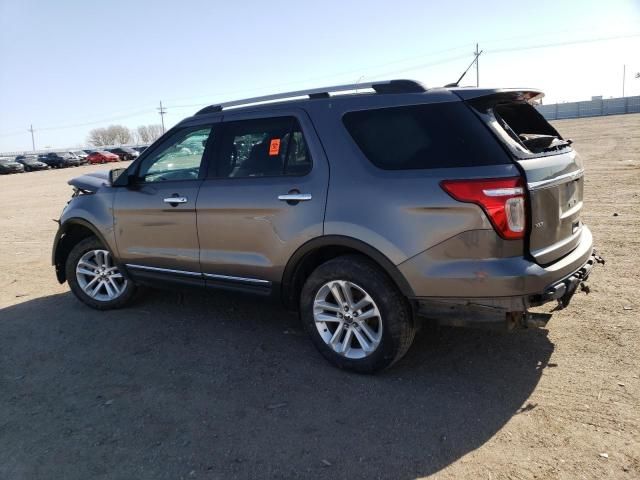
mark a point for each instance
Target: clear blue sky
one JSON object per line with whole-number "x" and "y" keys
{"x": 67, "y": 63}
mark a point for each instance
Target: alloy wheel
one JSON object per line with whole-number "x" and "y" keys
{"x": 347, "y": 319}
{"x": 99, "y": 277}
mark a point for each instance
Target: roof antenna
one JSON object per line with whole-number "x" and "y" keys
{"x": 475, "y": 59}
{"x": 360, "y": 78}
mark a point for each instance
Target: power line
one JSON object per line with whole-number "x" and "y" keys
{"x": 296, "y": 82}
{"x": 96, "y": 122}
{"x": 562, "y": 44}
{"x": 417, "y": 67}
{"x": 162, "y": 109}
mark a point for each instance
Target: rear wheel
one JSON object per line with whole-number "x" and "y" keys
{"x": 355, "y": 315}
{"x": 94, "y": 277}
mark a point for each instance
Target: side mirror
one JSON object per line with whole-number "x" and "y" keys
{"x": 117, "y": 179}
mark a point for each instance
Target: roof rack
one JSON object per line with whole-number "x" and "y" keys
{"x": 387, "y": 86}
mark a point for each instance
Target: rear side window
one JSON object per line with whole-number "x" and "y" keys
{"x": 265, "y": 147}
{"x": 439, "y": 135}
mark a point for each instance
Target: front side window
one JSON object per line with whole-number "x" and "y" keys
{"x": 177, "y": 158}
{"x": 263, "y": 148}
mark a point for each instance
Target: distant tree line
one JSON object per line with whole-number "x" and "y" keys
{"x": 120, "y": 135}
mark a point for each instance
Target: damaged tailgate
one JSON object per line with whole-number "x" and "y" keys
{"x": 553, "y": 170}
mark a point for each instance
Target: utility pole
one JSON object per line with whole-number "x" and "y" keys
{"x": 162, "y": 112}
{"x": 624, "y": 71}
{"x": 33, "y": 142}
{"x": 477, "y": 54}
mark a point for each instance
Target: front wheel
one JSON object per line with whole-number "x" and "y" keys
{"x": 355, "y": 315}
{"x": 94, "y": 277}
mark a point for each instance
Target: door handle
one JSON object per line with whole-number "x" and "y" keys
{"x": 175, "y": 200}
{"x": 295, "y": 197}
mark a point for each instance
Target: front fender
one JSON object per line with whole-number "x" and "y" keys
{"x": 68, "y": 235}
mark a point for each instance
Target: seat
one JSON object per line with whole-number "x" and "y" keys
{"x": 260, "y": 163}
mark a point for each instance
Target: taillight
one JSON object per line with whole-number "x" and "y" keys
{"x": 502, "y": 199}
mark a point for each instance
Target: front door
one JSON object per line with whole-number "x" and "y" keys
{"x": 155, "y": 218}
{"x": 265, "y": 198}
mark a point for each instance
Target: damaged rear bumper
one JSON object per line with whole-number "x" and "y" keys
{"x": 563, "y": 290}
{"x": 509, "y": 311}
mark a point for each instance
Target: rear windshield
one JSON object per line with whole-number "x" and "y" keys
{"x": 524, "y": 127}
{"x": 439, "y": 135}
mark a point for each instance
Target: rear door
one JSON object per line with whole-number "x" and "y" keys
{"x": 265, "y": 198}
{"x": 553, "y": 171}
{"x": 155, "y": 219}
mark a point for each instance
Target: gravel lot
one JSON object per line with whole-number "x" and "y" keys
{"x": 213, "y": 385}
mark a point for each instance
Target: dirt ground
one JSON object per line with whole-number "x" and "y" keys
{"x": 212, "y": 385}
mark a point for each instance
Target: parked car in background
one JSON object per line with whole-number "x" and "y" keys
{"x": 141, "y": 148}
{"x": 80, "y": 154}
{"x": 125, "y": 153}
{"x": 59, "y": 160}
{"x": 31, "y": 163}
{"x": 102, "y": 156}
{"x": 9, "y": 165}
{"x": 78, "y": 160}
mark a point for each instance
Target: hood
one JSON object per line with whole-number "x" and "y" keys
{"x": 92, "y": 182}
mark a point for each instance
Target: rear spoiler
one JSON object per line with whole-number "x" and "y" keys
{"x": 499, "y": 95}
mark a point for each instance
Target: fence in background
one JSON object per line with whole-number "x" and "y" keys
{"x": 595, "y": 107}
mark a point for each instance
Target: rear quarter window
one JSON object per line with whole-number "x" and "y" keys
{"x": 438, "y": 135}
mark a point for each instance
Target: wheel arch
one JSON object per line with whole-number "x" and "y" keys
{"x": 69, "y": 234}
{"x": 321, "y": 249}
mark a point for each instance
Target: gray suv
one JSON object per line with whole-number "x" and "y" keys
{"x": 363, "y": 207}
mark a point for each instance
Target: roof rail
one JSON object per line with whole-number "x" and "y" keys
{"x": 387, "y": 86}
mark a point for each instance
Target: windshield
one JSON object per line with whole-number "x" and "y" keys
{"x": 6, "y": 160}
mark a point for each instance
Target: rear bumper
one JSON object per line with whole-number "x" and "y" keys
{"x": 509, "y": 284}
{"x": 563, "y": 290}
{"x": 469, "y": 311}
{"x": 505, "y": 312}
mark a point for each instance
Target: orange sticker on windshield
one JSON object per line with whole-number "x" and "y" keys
{"x": 274, "y": 147}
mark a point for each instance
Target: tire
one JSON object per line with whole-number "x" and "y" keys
{"x": 390, "y": 326}
{"x": 115, "y": 292}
